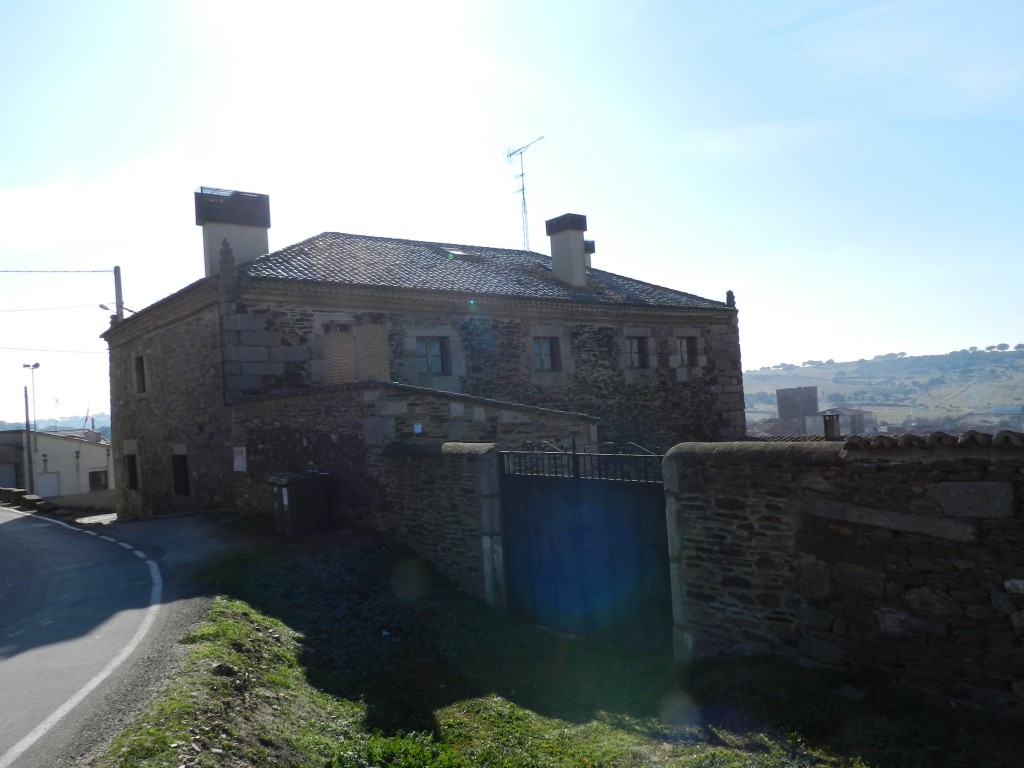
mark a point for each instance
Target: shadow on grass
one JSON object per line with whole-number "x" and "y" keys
{"x": 381, "y": 627}
{"x": 868, "y": 716}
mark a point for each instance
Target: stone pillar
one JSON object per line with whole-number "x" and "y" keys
{"x": 488, "y": 482}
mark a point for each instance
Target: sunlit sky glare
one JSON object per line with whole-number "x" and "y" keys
{"x": 850, "y": 169}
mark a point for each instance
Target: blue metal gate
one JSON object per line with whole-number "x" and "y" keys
{"x": 585, "y": 544}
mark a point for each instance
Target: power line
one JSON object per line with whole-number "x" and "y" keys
{"x": 48, "y": 309}
{"x": 55, "y": 271}
{"x": 116, "y": 272}
{"x": 61, "y": 351}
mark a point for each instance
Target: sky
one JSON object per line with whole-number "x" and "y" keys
{"x": 850, "y": 169}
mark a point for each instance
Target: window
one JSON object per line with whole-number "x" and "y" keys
{"x": 637, "y": 350}
{"x": 98, "y": 480}
{"x": 546, "y": 355}
{"x": 132, "y": 470}
{"x": 433, "y": 355}
{"x": 179, "y": 469}
{"x": 140, "y": 375}
{"x": 688, "y": 350}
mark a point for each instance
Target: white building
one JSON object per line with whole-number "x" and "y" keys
{"x": 69, "y": 468}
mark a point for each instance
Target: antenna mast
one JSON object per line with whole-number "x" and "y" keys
{"x": 522, "y": 186}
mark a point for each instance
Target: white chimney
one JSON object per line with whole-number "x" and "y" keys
{"x": 570, "y": 253}
{"x": 241, "y": 218}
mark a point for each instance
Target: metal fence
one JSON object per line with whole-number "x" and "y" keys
{"x": 633, "y": 468}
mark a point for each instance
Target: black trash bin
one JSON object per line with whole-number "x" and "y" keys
{"x": 301, "y": 502}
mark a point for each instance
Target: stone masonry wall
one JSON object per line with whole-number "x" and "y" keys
{"x": 444, "y": 500}
{"x": 388, "y": 476}
{"x": 651, "y": 407}
{"x": 905, "y": 557}
{"x": 180, "y": 412}
{"x": 274, "y": 345}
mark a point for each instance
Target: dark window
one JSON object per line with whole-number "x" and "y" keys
{"x": 179, "y": 468}
{"x": 688, "y": 347}
{"x": 140, "y": 374}
{"x": 98, "y": 480}
{"x": 132, "y": 468}
{"x": 433, "y": 355}
{"x": 638, "y": 352}
{"x": 546, "y": 354}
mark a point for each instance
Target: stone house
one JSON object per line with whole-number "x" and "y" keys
{"x": 470, "y": 326}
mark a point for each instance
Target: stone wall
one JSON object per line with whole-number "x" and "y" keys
{"x": 445, "y": 502}
{"x": 907, "y": 557}
{"x": 175, "y": 410}
{"x": 277, "y": 344}
{"x": 400, "y": 463}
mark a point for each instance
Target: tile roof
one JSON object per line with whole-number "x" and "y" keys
{"x": 335, "y": 257}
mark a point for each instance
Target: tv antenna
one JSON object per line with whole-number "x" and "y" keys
{"x": 522, "y": 186}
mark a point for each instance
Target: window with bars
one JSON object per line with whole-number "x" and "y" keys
{"x": 98, "y": 480}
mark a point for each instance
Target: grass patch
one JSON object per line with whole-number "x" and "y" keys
{"x": 345, "y": 651}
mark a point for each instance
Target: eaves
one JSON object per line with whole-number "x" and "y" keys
{"x": 371, "y": 298}
{"x": 175, "y": 308}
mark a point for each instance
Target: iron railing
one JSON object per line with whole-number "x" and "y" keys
{"x": 626, "y": 467}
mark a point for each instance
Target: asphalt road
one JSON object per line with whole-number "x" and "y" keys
{"x": 90, "y": 616}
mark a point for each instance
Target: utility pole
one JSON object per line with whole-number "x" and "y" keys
{"x": 35, "y": 414}
{"x": 118, "y": 301}
{"x": 28, "y": 447}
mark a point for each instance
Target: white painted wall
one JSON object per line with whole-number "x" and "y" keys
{"x": 64, "y": 464}
{"x": 246, "y": 243}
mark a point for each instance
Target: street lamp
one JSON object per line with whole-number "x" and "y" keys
{"x": 35, "y": 426}
{"x": 123, "y": 308}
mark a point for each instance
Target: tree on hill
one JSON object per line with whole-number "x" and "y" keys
{"x": 1002, "y": 347}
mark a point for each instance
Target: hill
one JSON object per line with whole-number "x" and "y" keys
{"x": 969, "y": 388}
{"x": 98, "y": 421}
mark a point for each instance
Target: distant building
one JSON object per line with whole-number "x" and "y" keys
{"x": 795, "y": 405}
{"x": 852, "y": 421}
{"x": 71, "y": 468}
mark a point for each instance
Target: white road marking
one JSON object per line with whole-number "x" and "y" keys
{"x": 62, "y": 711}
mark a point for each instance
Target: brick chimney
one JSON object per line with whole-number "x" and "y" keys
{"x": 570, "y": 253}
{"x": 241, "y": 218}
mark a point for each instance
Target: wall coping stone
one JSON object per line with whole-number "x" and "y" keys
{"x": 1004, "y": 438}
{"x": 856, "y": 448}
{"x": 438, "y": 448}
{"x": 817, "y": 452}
